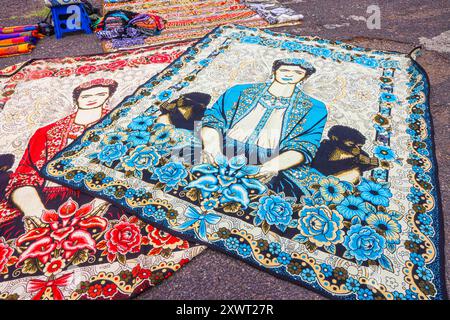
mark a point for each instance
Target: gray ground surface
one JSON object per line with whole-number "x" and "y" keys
{"x": 405, "y": 24}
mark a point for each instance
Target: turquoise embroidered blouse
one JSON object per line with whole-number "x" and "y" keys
{"x": 303, "y": 121}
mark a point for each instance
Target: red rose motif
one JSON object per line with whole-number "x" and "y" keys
{"x": 64, "y": 72}
{"x": 139, "y": 60}
{"x": 5, "y": 253}
{"x": 18, "y": 76}
{"x": 135, "y": 271}
{"x": 160, "y": 58}
{"x": 116, "y": 65}
{"x": 123, "y": 238}
{"x": 183, "y": 262}
{"x": 39, "y": 74}
{"x": 85, "y": 70}
{"x": 161, "y": 240}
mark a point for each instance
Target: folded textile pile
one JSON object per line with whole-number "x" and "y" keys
{"x": 273, "y": 11}
{"x": 126, "y": 28}
{"x": 18, "y": 40}
{"x": 58, "y": 243}
{"x": 188, "y": 19}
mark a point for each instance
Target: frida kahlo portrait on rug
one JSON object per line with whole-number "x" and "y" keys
{"x": 27, "y": 190}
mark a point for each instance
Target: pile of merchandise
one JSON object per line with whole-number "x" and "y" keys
{"x": 128, "y": 27}
{"x": 18, "y": 40}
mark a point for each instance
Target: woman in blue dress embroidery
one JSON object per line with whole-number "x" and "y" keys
{"x": 274, "y": 124}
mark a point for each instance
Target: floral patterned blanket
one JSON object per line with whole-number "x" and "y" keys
{"x": 307, "y": 158}
{"x": 56, "y": 242}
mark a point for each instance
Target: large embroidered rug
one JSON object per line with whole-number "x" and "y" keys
{"x": 313, "y": 161}
{"x": 192, "y": 19}
{"x": 56, "y": 242}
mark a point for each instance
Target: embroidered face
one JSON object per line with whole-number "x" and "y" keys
{"x": 93, "y": 98}
{"x": 288, "y": 74}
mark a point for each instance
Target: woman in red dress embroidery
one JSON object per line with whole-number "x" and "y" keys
{"x": 27, "y": 190}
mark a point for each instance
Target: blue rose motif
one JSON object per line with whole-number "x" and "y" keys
{"x": 251, "y": 39}
{"x": 137, "y": 138}
{"x": 368, "y": 62}
{"x": 321, "y": 225}
{"x": 275, "y": 211}
{"x": 384, "y": 153}
{"x": 292, "y": 46}
{"x": 114, "y": 137}
{"x": 141, "y": 123}
{"x": 375, "y": 193}
{"x": 141, "y": 158}
{"x": 205, "y": 62}
{"x": 271, "y": 43}
{"x": 386, "y": 225}
{"x": 363, "y": 243}
{"x": 331, "y": 189}
{"x": 161, "y": 135}
{"x": 165, "y": 95}
{"x": 389, "y": 64}
{"x": 388, "y": 97}
{"x": 171, "y": 174}
{"x": 111, "y": 153}
{"x": 324, "y": 52}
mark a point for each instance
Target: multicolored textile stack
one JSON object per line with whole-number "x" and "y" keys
{"x": 313, "y": 161}
{"x": 273, "y": 11}
{"x": 18, "y": 40}
{"x": 189, "y": 19}
{"x": 125, "y": 28}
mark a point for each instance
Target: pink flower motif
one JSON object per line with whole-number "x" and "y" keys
{"x": 67, "y": 229}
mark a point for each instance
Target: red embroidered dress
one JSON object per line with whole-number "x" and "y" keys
{"x": 43, "y": 146}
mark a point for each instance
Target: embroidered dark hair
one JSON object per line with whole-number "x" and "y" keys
{"x": 294, "y": 62}
{"x": 197, "y": 100}
{"x": 346, "y": 133}
{"x": 106, "y": 83}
